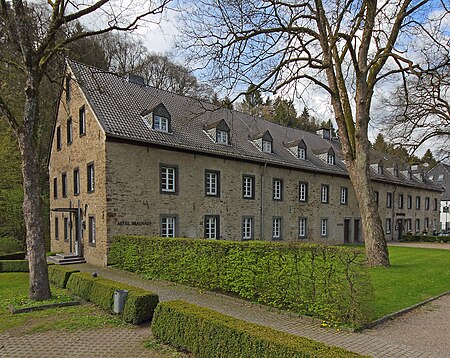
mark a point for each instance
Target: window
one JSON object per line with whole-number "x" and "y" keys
{"x": 68, "y": 89}
{"x": 248, "y": 187}
{"x": 380, "y": 169}
{"x": 426, "y": 224}
{"x": 212, "y": 183}
{"x": 389, "y": 200}
{"x": 400, "y": 201}
{"x": 330, "y": 159}
{"x": 435, "y": 204}
{"x": 212, "y": 227}
{"x": 64, "y": 185}
{"x": 324, "y": 194}
{"x": 266, "y": 146}
{"x": 58, "y": 138}
{"x": 417, "y": 226}
{"x": 276, "y": 229}
{"x": 168, "y": 226}
{"x": 344, "y": 196}
{"x": 440, "y": 177}
{"x": 427, "y": 203}
{"x": 90, "y": 178}
{"x": 408, "y": 225}
{"x": 66, "y": 229}
{"x": 396, "y": 170}
{"x": 76, "y": 181}
{"x": 417, "y": 202}
{"x": 169, "y": 179}
{"x": 409, "y": 202}
{"x": 388, "y": 225}
{"x": 91, "y": 233}
{"x": 324, "y": 227}
{"x": 55, "y": 188}
{"x": 301, "y": 153}
{"x": 247, "y": 228}
{"x": 221, "y": 136}
{"x": 434, "y": 224}
{"x": 302, "y": 228}
{"x": 56, "y": 228}
{"x": 377, "y": 197}
{"x": 69, "y": 131}
{"x": 82, "y": 121}
{"x": 160, "y": 123}
{"x": 303, "y": 191}
{"x": 277, "y": 189}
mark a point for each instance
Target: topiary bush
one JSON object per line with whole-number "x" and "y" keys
{"x": 13, "y": 256}
{"x": 207, "y": 333}
{"x": 59, "y": 275}
{"x": 317, "y": 280}
{"x": 139, "y": 305}
{"x": 14, "y": 266}
{"x": 10, "y": 245}
{"x": 424, "y": 238}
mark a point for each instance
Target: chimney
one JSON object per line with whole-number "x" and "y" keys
{"x": 324, "y": 133}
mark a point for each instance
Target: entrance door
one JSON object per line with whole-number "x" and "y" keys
{"x": 399, "y": 229}
{"x": 346, "y": 231}
{"x": 356, "y": 230}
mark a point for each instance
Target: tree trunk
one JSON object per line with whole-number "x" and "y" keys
{"x": 39, "y": 288}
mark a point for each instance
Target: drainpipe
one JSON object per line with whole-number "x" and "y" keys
{"x": 261, "y": 204}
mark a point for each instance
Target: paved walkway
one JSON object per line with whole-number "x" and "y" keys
{"x": 423, "y": 245}
{"x": 380, "y": 342}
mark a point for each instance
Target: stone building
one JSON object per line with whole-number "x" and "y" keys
{"x": 440, "y": 175}
{"x": 130, "y": 159}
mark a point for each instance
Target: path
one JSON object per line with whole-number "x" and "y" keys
{"x": 423, "y": 245}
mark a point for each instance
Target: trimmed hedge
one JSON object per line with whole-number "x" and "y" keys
{"x": 207, "y": 333}
{"x": 13, "y": 256}
{"x": 14, "y": 266}
{"x": 59, "y": 275}
{"x": 329, "y": 282}
{"x": 139, "y": 305}
{"x": 424, "y": 238}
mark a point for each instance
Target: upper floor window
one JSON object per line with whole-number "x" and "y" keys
{"x": 90, "y": 178}
{"x": 263, "y": 141}
{"x": 303, "y": 191}
{"x": 247, "y": 228}
{"x": 344, "y": 195}
{"x": 377, "y": 197}
{"x": 168, "y": 226}
{"x": 169, "y": 177}
{"x": 69, "y": 131}
{"x": 324, "y": 194}
{"x": 212, "y": 227}
{"x": 380, "y": 169}
{"x": 427, "y": 203}
{"x": 218, "y": 131}
{"x": 400, "y": 201}
{"x": 64, "y": 185}
{"x": 212, "y": 183}
{"x": 266, "y": 146}
{"x": 160, "y": 123}
{"x": 389, "y": 200}
{"x": 435, "y": 204}
{"x": 68, "y": 89}
{"x": 302, "y": 228}
{"x": 82, "y": 121}
{"x": 417, "y": 202}
{"x": 159, "y": 118}
{"x": 55, "y": 188}
{"x": 76, "y": 181}
{"x": 276, "y": 229}
{"x": 58, "y": 138}
{"x": 409, "y": 202}
{"x": 396, "y": 174}
{"x": 330, "y": 158}
{"x": 221, "y": 136}
{"x": 301, "y": 153}
{"x": 277, "y": 189}
{"x": 248, "y": 187}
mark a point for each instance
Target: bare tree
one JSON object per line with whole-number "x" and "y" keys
{"x": 28, "y": 50}
{"x": 342, "y": 47}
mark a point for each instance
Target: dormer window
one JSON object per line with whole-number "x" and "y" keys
{"x": 158, "y": 118}
{"x": 396, "y": 170}
{"x": 380, "y": 169}
{"x": 266, "y": 146}
{"x": 301, "y": 153}
{"x": 219, "y": 132}
{"x": 330, "y": 159}
{"x": 221, "y": 137}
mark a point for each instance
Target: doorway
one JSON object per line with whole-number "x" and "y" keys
{"x": 399, "y": 229}
{"x": 356, "y": 230}
{"x": 346, "y": 231}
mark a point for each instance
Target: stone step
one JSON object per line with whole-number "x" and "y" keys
{"x": 66, "y": 259}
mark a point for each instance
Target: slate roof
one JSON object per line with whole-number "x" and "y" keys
{"x": 119, "y": 104}
{"x": 442, "y": 170}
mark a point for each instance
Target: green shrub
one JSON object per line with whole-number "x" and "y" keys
{"x": 14, "y": 266}
{"x": 207, "y": 333}
{"x": 139, "y": 305}
{"x": 316, "y": 280}
{"x": 13, "y": 256}
{"x": 10, "y": 245}
{"x": 424, "y": 238}
{"x": 59, "y": 275}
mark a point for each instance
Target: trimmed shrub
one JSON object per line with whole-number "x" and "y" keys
{"x": 13, "y": 256}
{"x": 14, "y": 266}
{"x": 59, "y": 275}
{"x": 329, "y": 282}
{"x": 10, "y": 245}
{"x": 207, "y": 333}
{"x": 424, "y": 238}
{"x": 139, "y": 305}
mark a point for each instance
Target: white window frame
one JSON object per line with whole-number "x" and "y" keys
{"x": 401, "y": 199}
{"x": 76, "y": 181}
{"x": 212, "y": 183}
{"x": 324, "y": 227}
{"x": 247, "y": 187}
{"x": 69, "y": 131}
{"x": 302, "y": 228}
{"x": 388, "y": 225}
{"x": 160, "y": 123}
{"x": 303, "y": 192}
{"x": 301, "y": 153}
{"x": 247, "y": 228}
{"x": 221, "y": 136}
{"x": 82, "y": 121}
{"x": 168, "y": 226}
{"x": 168, "y": 179}
{"x": 330, "y": 159}
{"x": 276, "y": 229}
{"x": 277, "y": 189}
{"x": 344, "y": 195}
{"x": 409, "y": 202}
{"x": 389, "y": 200}
{"x": 324, "y": 194}
{"x": 90, "y": 177}
{"x": 266, "y": 146}
{"x": 417, "y": 202}
{"x": 212, "y": 227}
{"x": 91, "y": 233}
{"x": 427, "y": 203}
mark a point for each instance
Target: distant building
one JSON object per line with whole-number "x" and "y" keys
{"x": 130, "y": 159}
{"x": 440, "y": 175}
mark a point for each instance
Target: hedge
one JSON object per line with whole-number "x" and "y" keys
{"x": 59, "y": 275}
{"x": 424, "y": 238}
{"x": 14, "y": 266}
{"x": 207, "y": 333}
{"x": 139, "y": 305}
{"x": 13, "y": 256}
{"x": 317, "y": 280}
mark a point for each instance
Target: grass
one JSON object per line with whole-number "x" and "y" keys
{"x": 14, "y": 289}
{"x": 415, "y": 275}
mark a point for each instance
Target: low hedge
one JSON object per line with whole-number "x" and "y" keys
{"x": 13, "y": 256}
{"x": 59, "y": 275}
{"x": 424, "y": 238}
{"x": 14, "y": 266}
{"x": 207, "y": 333}
{"x": 139, "y": 305}
{"x": 325, "y": 281}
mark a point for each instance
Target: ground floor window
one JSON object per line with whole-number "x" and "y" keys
{"x": 91, "y": 233}
{"x": 247, "y": 228}
{"x": 417, "y": 226}
{"x": 388, "y": 225}
{"x": 276, "y": 229}
{"x": 66, "y": 229}
{"x": 168, "y": 226}
{"x": 212, "y": 227}
{"x": 302, "y": 228}
{"x": 324, "y": 227}
{"x": 56, "y": 228}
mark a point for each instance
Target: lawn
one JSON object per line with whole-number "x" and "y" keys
{"x": 415, "y": 275}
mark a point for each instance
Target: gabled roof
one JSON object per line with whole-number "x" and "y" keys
{"x": 118, "y": 104}
{"x": 441, "y": 170}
